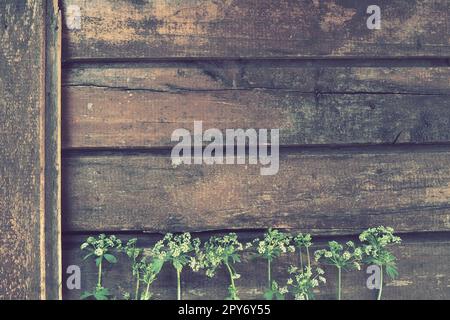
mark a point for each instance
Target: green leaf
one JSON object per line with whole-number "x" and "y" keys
{"x": 101, "y": 293}
{"x": 392, "y": 271}
{"x": 86, "y": 295}
{"x": 157, "y": 265}
{"x": 279, "y": 296}
{"x": 236, "y": 258}
{"x": 98, "y": 261}
{"x": 110, "y": 258}
{"x": 268, "y": 295}
{"x": 100, "y": 296}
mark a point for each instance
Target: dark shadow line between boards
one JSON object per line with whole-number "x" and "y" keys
{"x": 284, "y": 149}
{"x": 369, "y": 61}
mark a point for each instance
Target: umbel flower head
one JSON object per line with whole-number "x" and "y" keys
{"x": 345, "y": 257}
{"x": 302, "y": 282}
{"x": 376, "y": 242}
{"x": 179, "y": 249}
{"x": 379, "y": 237}
{"x": 274, "y": 244}
{"x": 303, "y": 240}
{"x": 131, "y": 250}
{"x": 101, "y": 245}
{"x": 221, "y": 250}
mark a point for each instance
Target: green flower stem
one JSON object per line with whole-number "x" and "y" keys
{"x": 380, "y": 291}
{"x": 301, "y": 257}
{"x": 232, "y": 280}
{"x": 269, "y": 274}
{"x": 178, "y": 284}
{"x": 309, "y": 258}
{"x": 147, "y": 289}
{"x": 339, "y": 283}
{"x": 136, "y": 294}
{"x": 99, "y": 282}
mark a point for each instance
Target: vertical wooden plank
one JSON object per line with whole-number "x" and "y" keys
{"x": 53, "y": 152}
{"x": 22, "y": 102}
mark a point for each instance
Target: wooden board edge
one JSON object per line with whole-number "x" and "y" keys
{"x": 53, "y": 248}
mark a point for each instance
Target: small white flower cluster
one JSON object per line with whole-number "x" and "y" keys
{"x": 379, "y": 236}
{"x": 196, "y": 262}
{"x": 221, "y": 250}
{"x": 179, "y": 249}
{"x": 180, "y": 244}
{"x": 348, "y": 257}
{"x": 99, "y": 246}
{"x": 376, "y": 240}
{"x": 304, "y": 281}
{"x": 274, "y": 244}
{"x": 303, "y": 240}
{"x": 279, "y": 290}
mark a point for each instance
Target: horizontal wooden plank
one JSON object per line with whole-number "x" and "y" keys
{"x": 424, "y": 263}
{"x": 142, "y": 106}
{"x": 327, "y": 192}
{"x": 117, "y": 29}
{"x": 307, "y": 77}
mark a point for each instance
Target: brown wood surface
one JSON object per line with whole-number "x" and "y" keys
{"x": 423, "y": 263}
{"x": 137, "y": 70}
{"x": 257, "y": 29}
{"x": 53, "y": 152}
{"x": 338, "y": 191}
{"x": 304, "y": 76}
{"x": 22, "y": 105}
{"x": 140, "y": 106}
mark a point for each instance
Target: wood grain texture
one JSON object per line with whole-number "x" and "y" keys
{"x": 257, "y": 29}
{"x": 140, "y": 106}
{"x": 53, "y": 152}
{"x": 424, "y": 265}
{"x": 22, "y": 105}
{"x": 326, "y": 192}
{"x": 334, "y": 76}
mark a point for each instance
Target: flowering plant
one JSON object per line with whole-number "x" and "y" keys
{"x": 181, "y": 251}
{"x": 376, "y": 240}
{"x": 274, "y": 244}
{"x": 343, "y": 258}
{"x": 145, "y": 268}
{"x": 100, "y": 248}
{"x": 150, "y": 266}
{"x": 303, "y": 241}
{"x": 178, "y": 250}
{"x": 225, "y": 251}
{"x": 303, "y": 281}
{"x": 134, "y": 253}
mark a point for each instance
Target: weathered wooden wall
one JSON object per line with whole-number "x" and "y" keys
{"x": 30, "y": 168}
{"x": 364, "y": 118}
{"x": 22, "y": 105}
